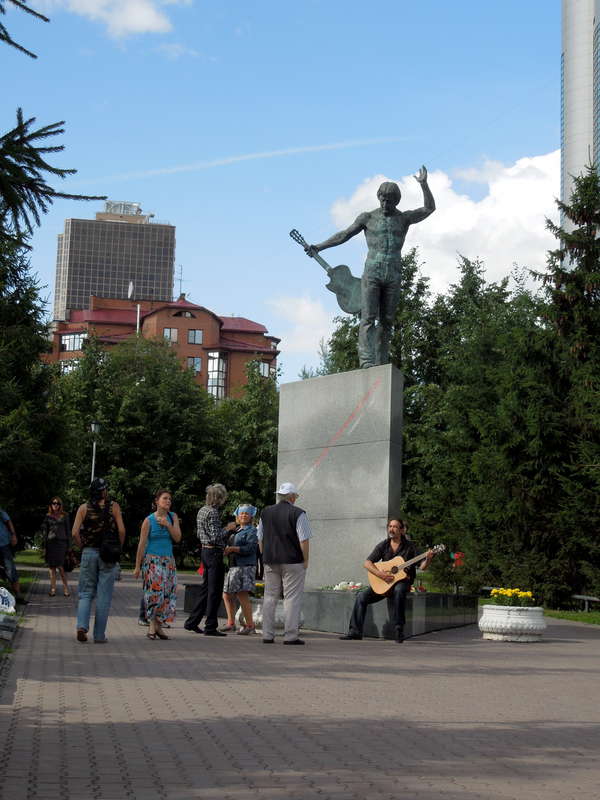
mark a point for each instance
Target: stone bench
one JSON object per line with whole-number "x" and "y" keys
{"x": 586, "y": 599}
{"x": 330, "y": 611}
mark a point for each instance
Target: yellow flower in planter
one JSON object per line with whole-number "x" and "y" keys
{"x": 511, "y": 597}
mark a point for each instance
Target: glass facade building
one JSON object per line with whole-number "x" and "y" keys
{"x": 579, "y": 90}
{"x": 103, "y": 256}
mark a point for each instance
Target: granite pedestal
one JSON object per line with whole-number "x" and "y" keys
{"x": 340, "y": 442}
{"x": 425, "y": 612}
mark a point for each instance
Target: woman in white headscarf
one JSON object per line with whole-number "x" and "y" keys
{"x": 240, "y": 580}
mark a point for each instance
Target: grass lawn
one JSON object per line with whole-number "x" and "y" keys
{"x": 25, "y": 580}
{"x": 590, "y": 617}
{"x": 30, "y": 558}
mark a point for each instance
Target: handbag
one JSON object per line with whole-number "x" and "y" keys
{"x": 71, "y": 561}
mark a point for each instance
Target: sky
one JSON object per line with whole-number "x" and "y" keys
{"x": 237, "y": 121}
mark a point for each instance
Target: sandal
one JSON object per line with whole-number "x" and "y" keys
{"x": 66, "y": 593}
{"x": 161, "y": 635}
{"x": 151, "y": 636}
{"x": 52, "y": 593}
{"x": 227, "y": 628}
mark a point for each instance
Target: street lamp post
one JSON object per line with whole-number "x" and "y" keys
{"x": 95, "y": 428}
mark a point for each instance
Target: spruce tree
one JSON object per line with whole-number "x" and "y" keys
{"x": 572, "y": 310}
{"x": 31, "y": 430}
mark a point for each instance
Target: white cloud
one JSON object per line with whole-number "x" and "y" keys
{"x": 304, "y": 323}
{"x": 175, "y": 50}
{"x": 506, "y": 226}
{"x": 123, "y": 17}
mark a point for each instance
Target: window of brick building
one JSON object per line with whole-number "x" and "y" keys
{"x": 217, "y": 374}
{"x": 72, "y": 341}
{"x": 195, "y": 363}
{"x": 194, "y": 336}
{"x": 68, "y": 365}
{"x": 170, "y": 334}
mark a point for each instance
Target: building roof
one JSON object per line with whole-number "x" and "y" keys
{"x": 115, "y": 316}
{"x": 241, "y": 325}
{"x": 234, "y": 345}
{"x": 119, "y": 316}
{"x": 180, "y": 303}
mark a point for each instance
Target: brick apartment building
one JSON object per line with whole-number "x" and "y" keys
{"x": 216, "y": 348}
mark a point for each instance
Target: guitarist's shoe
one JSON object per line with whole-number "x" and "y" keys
{"x": 399, "y": 638}
{"x": 349, "y": 636}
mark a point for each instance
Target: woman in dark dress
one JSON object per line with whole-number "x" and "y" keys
{"x": 56, "y": 537}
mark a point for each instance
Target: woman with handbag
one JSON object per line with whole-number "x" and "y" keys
{"x": 100, "y": 532}
{"x": 241, "y": 577}
{"x": 56, "y": 538}
{"x": 154, "y": 560}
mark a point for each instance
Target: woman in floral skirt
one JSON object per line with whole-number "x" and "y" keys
{"x": 155, "y": 562}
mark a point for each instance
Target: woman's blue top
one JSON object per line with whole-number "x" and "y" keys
{"x": 247, "y": 540}
{"x": 159, "y": 539}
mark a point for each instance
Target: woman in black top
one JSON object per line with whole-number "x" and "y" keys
{"x": 56, "y": 538}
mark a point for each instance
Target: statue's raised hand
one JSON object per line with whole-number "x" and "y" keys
{"x": 422, "y": 176}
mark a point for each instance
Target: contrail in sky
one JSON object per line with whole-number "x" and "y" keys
{"x": 221, "y": 162}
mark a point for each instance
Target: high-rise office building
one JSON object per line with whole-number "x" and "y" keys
{"x": 103, "y": 256}
{"x": 580, "y": 90}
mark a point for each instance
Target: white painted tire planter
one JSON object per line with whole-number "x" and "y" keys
{"x": 257, "y": 615}
{"x": 512, "y": 623}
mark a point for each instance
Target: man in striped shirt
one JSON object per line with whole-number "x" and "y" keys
{"x": 213, "y": 538}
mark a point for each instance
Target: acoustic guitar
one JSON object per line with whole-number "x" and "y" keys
{"x": 345, "y": 286}
{"x": 397, "y": 568}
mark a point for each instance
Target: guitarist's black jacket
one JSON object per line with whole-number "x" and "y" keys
{"x": 383, "y": 552}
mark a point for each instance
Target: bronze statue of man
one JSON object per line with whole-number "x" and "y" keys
{"x": 385, "y": 230}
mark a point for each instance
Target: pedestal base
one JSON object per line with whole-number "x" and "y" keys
{"x": 340, "y": 442}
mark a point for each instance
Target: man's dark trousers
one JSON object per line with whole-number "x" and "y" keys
{"x": 211, "y": 590}
{"x": 396, "y": 598}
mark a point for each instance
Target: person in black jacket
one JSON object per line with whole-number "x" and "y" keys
{"x": 56, "y": 537}
{"x": 397, "y": 544}
{"x": 283, "y": 534}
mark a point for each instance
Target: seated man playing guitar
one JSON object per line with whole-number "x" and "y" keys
{"x": 399, "y": 581}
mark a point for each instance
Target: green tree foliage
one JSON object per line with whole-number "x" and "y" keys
{"x": 24, "y": 192}
{"x": 248, "y": 433}
{"x": 31, "y": 431}
{"x": 156, "y": 430}
{"x": 572, "y": 288}
{"x": 502, "y": 416}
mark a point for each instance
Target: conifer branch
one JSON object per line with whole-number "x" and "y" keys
{"x": 5, "y": 35}
{"x": 24, "y": 193}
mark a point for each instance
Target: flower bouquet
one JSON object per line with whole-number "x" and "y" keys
{"x": 347, "y": 586}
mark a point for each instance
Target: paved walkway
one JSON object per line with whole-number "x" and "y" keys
{"x": 441, "y": 716}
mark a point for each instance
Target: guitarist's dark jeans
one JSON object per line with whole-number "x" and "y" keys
{"x": 396, "y": 601}
{"x": 211, "y": 590}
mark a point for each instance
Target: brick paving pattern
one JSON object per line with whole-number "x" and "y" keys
{"x": 442, "y": 716}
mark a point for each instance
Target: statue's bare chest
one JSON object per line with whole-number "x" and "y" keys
{"x": 386, "y": 233}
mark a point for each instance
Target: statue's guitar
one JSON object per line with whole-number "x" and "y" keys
{"x": 397, "y": 567}
{"x": 344, "y": 285}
